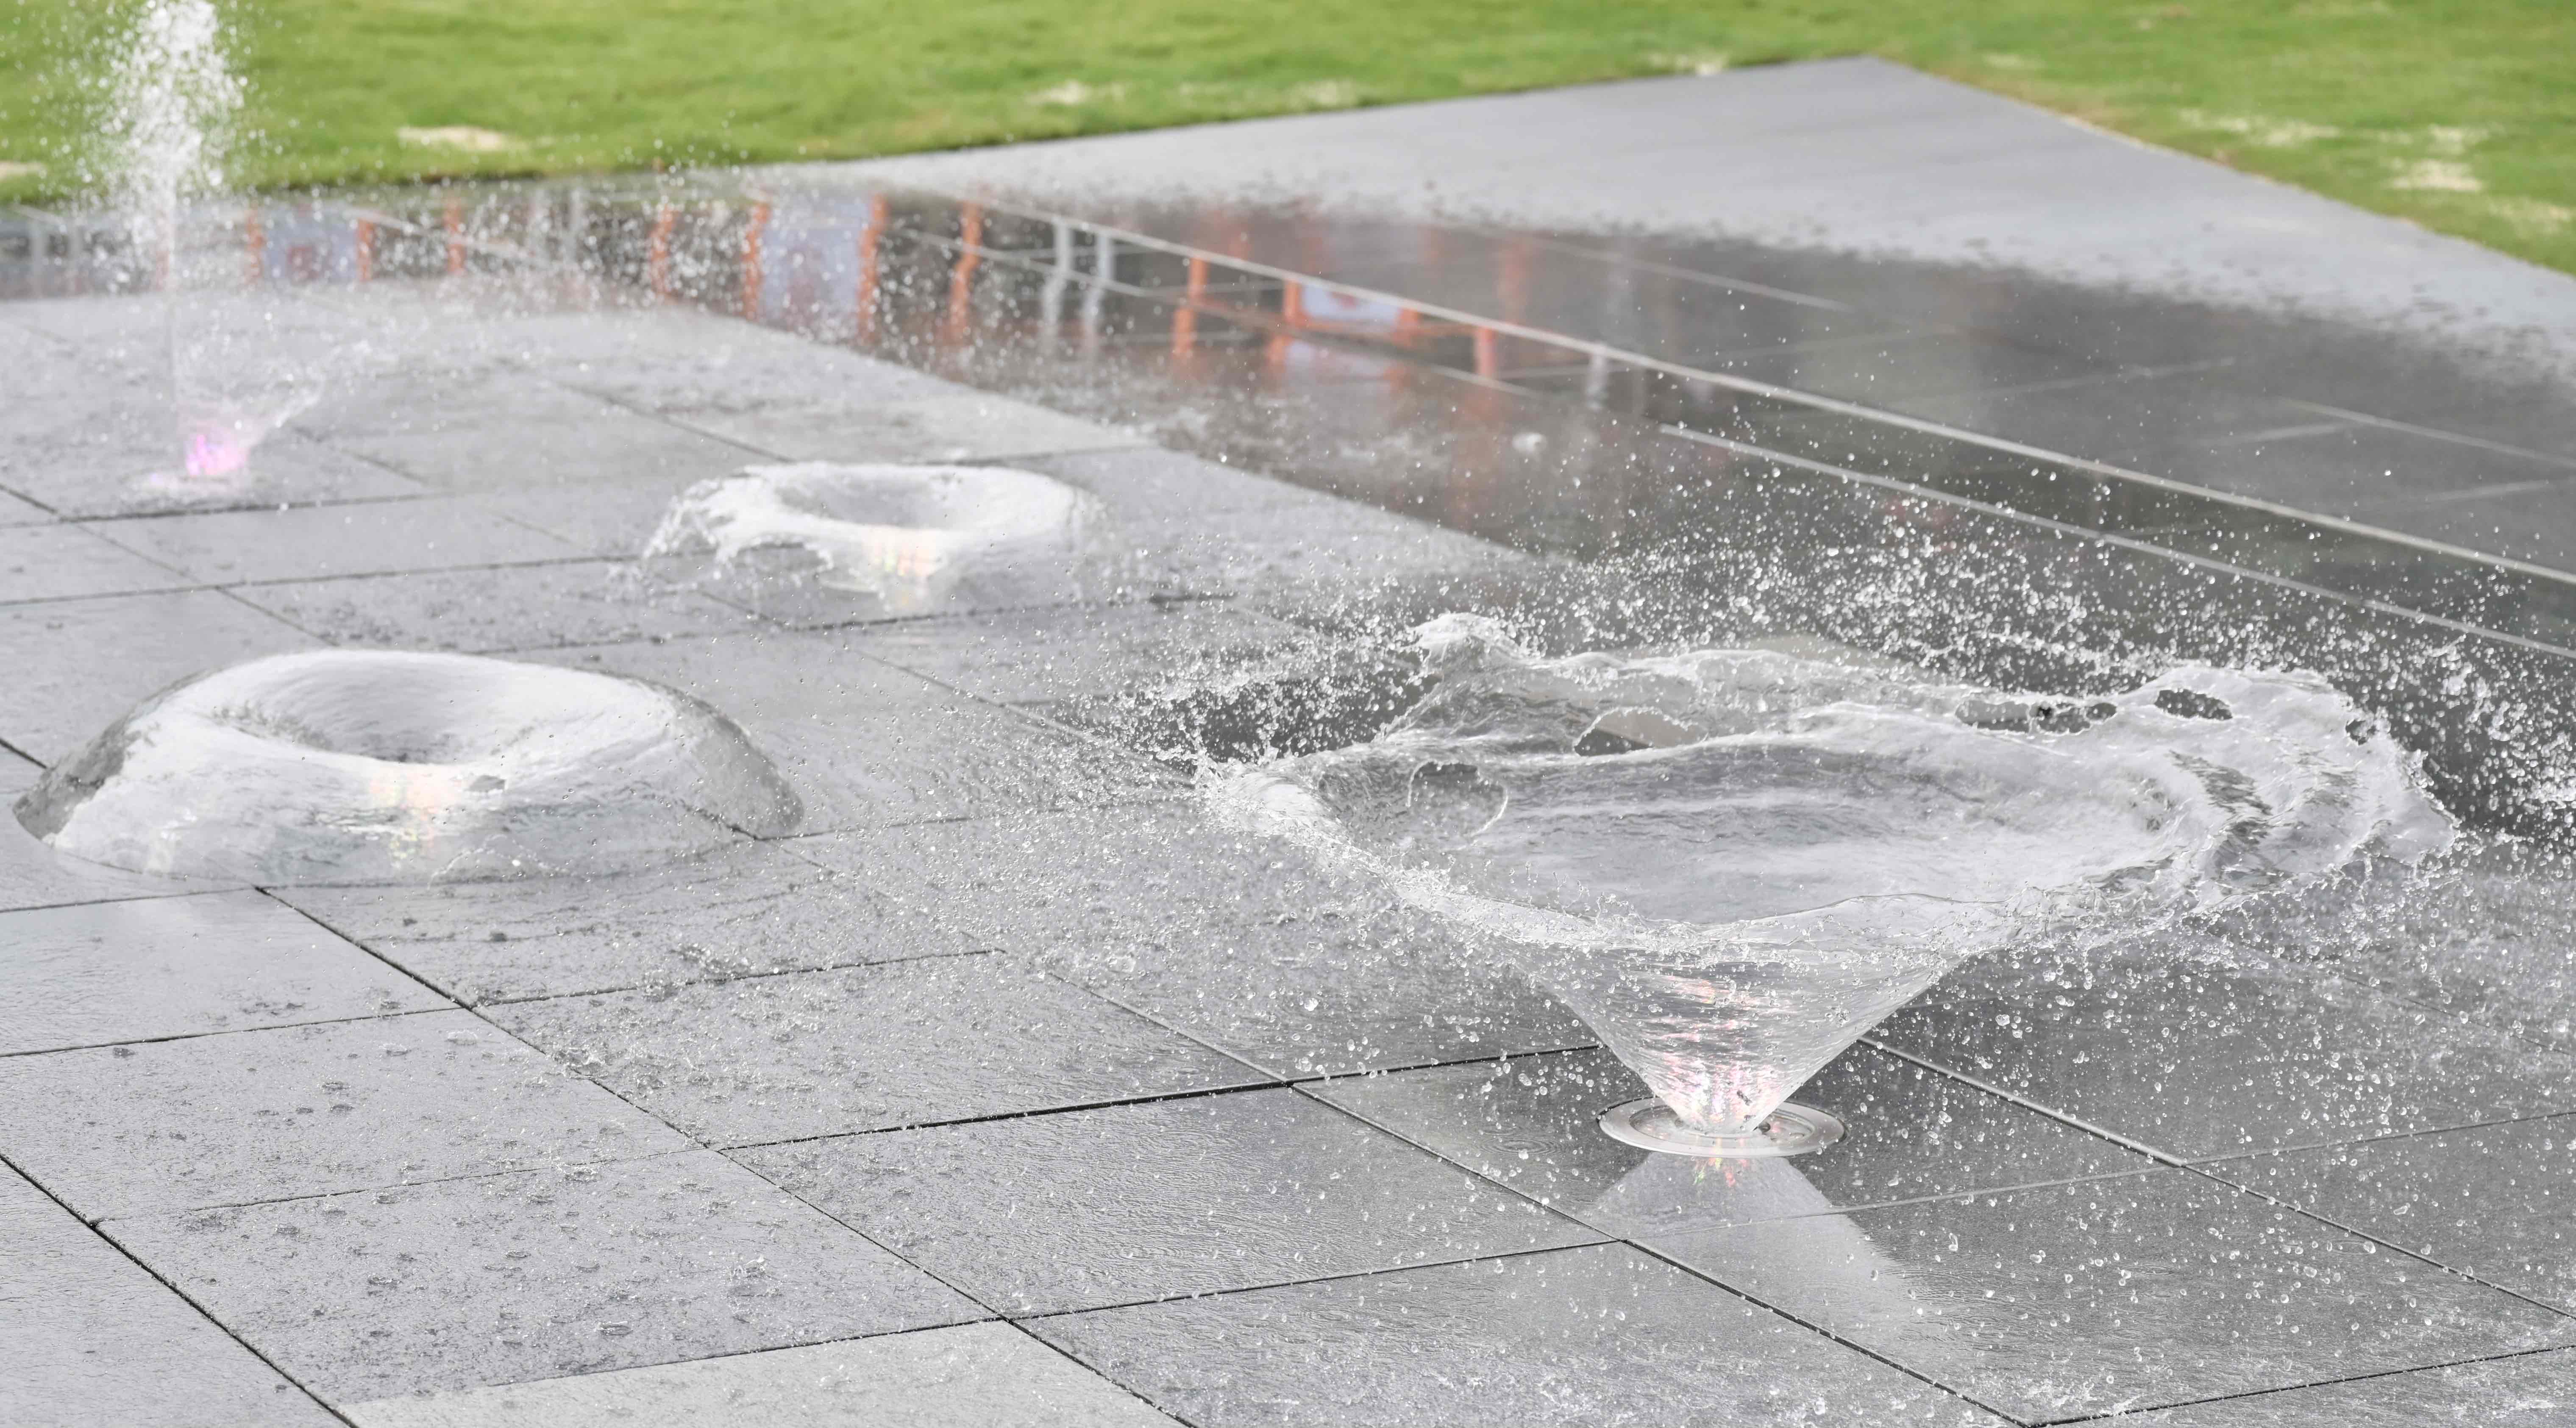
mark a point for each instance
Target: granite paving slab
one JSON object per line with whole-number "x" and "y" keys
{"x": 2494, "y": 1201}
{"x": 1592, "y": 1335}
{"x": 1077, "y": 652}
{"x": 534, "y": 1275}
{"x": 1151, "y": 480}
{"x": 747, "y": 910}
{"x": 676, "y": 359}
{"x": 2134, "y": 1292}
{"x": 92, "y": 1338}
{"x": 2198, "y": 1060}
{"x": 1154, "y": 1201}
{"x": 1533, "y": 1123}
{"x": 34, "y": 875}
{"x": 161, "y": 967}
{"x": 607, "y": 518}
{"x": 866, "y": 744}
{"x": 964, "y": 1376}
{"x": 99, "y": 467}
{"x": 1236, "y": 939}
{"x": 60, "y": 692}
{"x": 50, "y": 562}
{"x": 301, "y": 1111}
{"x": 443, "y": 438}
{"x": 2525, "y": 1391}
{"x": 19, "y": 511}
{"x": 496, "y": 609}
{"x": 951, "y": 427}
{"x": 807, "y": 1054}
{"x": 305, "y": 543}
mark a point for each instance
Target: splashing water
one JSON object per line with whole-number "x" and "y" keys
{"x": 904, "y": 539}
{"x": 367, "y": 766}
{"x": 175, "y": 102}
{"x": 1734, "y": 862}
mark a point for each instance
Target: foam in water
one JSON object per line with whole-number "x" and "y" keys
{"x": 896, "y": 540}
{"x": 1735, "y": 862}
{"x": 350, "y": 766}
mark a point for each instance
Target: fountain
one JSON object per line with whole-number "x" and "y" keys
{"x": 843, "y": 541}
{"x": 1733, "y": 863}
{"x": 350, "y": 766}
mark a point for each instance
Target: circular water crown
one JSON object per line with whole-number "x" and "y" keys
{"x": 355, "y": 766}
{"x": 819, "y": 538}
{"x": 1732, "y": 863}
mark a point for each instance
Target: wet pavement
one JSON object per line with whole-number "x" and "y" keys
{"x": 1008, "y": 1088}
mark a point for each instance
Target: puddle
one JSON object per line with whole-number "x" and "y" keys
{"x": 818, "y": 538}
{"x": 379, "y": 767}
{"x": 1734, "y": 862}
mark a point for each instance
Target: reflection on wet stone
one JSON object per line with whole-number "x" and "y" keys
{"x": 1717, "y": 641}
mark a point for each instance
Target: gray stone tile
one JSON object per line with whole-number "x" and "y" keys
{"x": 305, "y": 1110}
{"x": 1151, "y": 481}
{"x": 60, "y": 692}
{"x": 103, "y": 466}
{"x": 682, "y": 359}
{"x": 19, "y": 511}
{"x": 2495, "y": 1201}
{"x": 866, "y": 744}
{"x": 2200, "y": 1061}
{"x": 1595, "y": 1335}
{"x": 375, "y": 537}
{"x": 94, "y": 1339}
{"x": 950, "y": 427}
{"x": 534, "y": 1275}
{"x": 1533, "y": 1123}
{"x": 1233, "y": 938}
{"x": 1315, "y": 549}
{"x": 2527, "y": 523}
{"x": 2525, "y": 1391}
{"x": 2134, "y": 1292}
{"x": 743, "y": 911}
{"x": 53, "y": 561}
{"x": 1075, "y": 652}
{"x": 964, "y": 1376}
{"x": 611, "y": 518}
{"x": 180, "y": 966}
{"x": 866, "y": 1048}
{"x": 509, "y": 432}
{"x": 1154, "y": 1201}
{"x": 34, "y": 875}
{"x": 494, "y": 610}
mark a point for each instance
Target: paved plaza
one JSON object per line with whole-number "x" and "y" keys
{"x": 1009, "y": 1088}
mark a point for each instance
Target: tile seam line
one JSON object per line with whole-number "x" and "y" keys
{"x": 1200, "y": 1093}
{"x": 1036, "y": 1316}
{"x": 184, "y": 1297}
{"x": 1650, "y": 1252}
{"x": 1789, "y": 394}
{"x": 2113, "y": 538}
{"x": 2434, "y": 433}
{"x": 2161, "y": 1158}
{"x": 2467, "y": 1276}
{"x": 2116, "y": 1414}
{"x": 541, "y": 998}
{"x": 228, "y": 587}
{"x": 1932, "y": 1199}
{"x": 164, "y": 1212}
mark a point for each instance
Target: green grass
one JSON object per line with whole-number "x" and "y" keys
{"x": 2460, "y": 114}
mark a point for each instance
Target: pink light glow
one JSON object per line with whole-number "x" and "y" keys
{"x": 216, "y": 451}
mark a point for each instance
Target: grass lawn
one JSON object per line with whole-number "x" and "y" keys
{"x": 2460, "y": 114}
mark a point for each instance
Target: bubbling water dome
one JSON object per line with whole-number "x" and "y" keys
{"x": 361, "y": 766}
{"x": 895, "y": 540}
{"x": 1734, "y": 862}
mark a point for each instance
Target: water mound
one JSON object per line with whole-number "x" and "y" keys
{"x": 348, "y": 766}
{"x": 1735, "y": 862}
{"x": 823, "y": 539}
